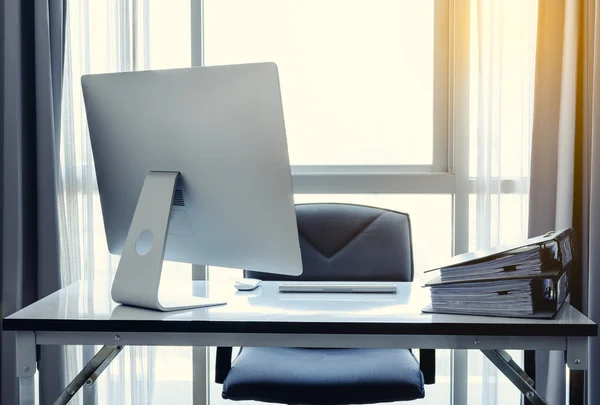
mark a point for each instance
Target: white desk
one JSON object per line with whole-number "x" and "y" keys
{"x": 265, "y": 317}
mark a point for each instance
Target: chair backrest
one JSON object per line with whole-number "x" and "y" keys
{"x": 346, "y": 242}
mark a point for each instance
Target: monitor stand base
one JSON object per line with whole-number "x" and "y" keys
{"x": 175, "y": 303}
{"x": 139, "y": 272}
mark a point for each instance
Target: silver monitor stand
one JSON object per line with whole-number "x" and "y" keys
{"x": 139, "y": 271}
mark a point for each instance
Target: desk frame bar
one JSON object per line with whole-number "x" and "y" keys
{"x": 575, "y": 349}
{"x": 507, "y": 366}
{"x": 91, "y": 371}
{"x": 313, "y": 340}
{"x": 26, "y": 363}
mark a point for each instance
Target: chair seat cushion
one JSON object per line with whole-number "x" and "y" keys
{"x": 324, "y": 376}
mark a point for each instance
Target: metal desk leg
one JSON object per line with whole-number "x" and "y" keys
{"x": 90, "y": 372}
{"x": 26, "y": 367}
{"x": 460, "y": 388}
{"x": 577, "y": 358}
{"x": 201, "y": 383}
{"x": 26, "y": 391}
{"x": 504, "y": 362}
{"x": 576, "y": 388}
{"x": 200, "y": 355}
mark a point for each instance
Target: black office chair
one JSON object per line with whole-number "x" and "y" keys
{"x": 339, "y": 242}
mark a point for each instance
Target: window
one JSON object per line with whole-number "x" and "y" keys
{"x": 352, "y": 96}
{"x": 356, "y": 75}
{"x": 168, "y": 33}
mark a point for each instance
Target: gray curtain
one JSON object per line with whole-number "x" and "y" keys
{"x": 32, "y": 63}
{"x": 591, "y": 212}
{"x": 565, "y": 171}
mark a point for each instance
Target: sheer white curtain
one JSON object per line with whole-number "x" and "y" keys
{"x": 503, "y": 43}
{"x": 101, "y": 36}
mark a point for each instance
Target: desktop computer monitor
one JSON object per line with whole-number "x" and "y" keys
{"x": 192, "y": 166}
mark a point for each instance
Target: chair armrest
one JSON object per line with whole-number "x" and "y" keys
{"x": 223, "y": 364}
{"x": 427, "y": 365}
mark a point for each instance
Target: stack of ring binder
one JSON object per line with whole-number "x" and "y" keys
{"x": 529, "y": 279}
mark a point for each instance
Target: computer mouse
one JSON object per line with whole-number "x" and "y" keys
{"x": 246, "y": 284}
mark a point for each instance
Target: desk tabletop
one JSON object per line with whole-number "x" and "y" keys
{"x": 86, "y": 307}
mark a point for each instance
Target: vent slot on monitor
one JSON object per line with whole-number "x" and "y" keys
{"x": 178, "y": 198}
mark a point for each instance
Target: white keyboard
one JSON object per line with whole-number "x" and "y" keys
{"x": 379, "y": 288}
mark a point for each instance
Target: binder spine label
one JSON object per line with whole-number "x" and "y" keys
{"x": 565, "y": 250}
{"x": 562, "y": 289}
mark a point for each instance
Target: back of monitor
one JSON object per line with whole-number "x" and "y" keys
{"x": 221, "y": 129}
